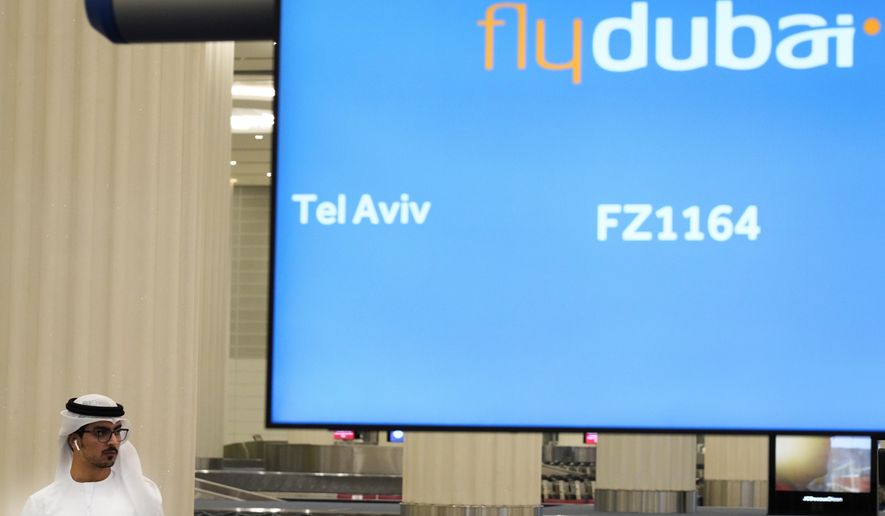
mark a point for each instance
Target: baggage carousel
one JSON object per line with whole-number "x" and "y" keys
{"x": 287, "y": 479}
{"x": 308, "y": 508}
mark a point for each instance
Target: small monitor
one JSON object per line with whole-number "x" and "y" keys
{"x": 822, "y": 474}
{"x": 396, "y": 436}
{"x": 591, "y": 438}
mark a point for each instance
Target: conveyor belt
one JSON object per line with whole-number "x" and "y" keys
{"x": 221, "y": 508}
{"x": 206, "y": 490}
{"x": 230, "y": 508}
{"x": 286, "y": 484}
{"x": 551, "y": 470}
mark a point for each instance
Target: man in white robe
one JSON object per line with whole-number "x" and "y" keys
{"x": 99, "y": 472}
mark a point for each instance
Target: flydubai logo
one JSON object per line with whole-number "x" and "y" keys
{"x": 789, "y": 40}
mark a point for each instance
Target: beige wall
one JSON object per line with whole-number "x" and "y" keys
{"x": 114, "y": 199}
{"x": 654, "y": 462}
{"x": 472, "y": 468}
{"x": 736, "y": 457}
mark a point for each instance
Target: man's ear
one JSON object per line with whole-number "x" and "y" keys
{"x": 74, "y": 443}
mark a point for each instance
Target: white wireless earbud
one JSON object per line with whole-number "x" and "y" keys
{"x": 77, "y": 445}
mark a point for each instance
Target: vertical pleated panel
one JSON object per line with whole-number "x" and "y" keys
{"x": 646, "y": 462}
{"x": 736, "y": 457}
{"x": 114, "y": 206}
{"x": 215, "y": 272}
{"x": 472, "y": 468}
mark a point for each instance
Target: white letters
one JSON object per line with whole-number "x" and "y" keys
{"x": 603, "y": 220}
{"x": 637, "y": 27}
{"x": 304, "y": 201}
{"x": 328, "y": 213}
{"x": 845, "y": 41}
{"x": 404, "y": 212}
{"x": 819, "y": 39}
{"x": 419, "y": 214}
{"x": 727, "y": 25}
{"x": 720, "y": 225}
{"x": 388, "y": 213}
{"x": 700, "y": 52}
{"x": 666, "y": 215}
{"x": 365, "y": 210}
{"x": 641, "y": 212}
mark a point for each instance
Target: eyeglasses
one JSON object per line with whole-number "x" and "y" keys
{"x": 103, "y": 435}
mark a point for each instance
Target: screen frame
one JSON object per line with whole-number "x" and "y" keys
{"x": 361, "y": 426}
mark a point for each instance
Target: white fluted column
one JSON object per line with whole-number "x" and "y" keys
{"x": 646, "y": 473}
{"x": 114, "y": 199}
{"x": 216, "y": 194}
{"x": 455, "y": 473}
{"x": 736, "y": 470}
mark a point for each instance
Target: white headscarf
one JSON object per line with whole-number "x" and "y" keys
{"x": 141, "y": 491}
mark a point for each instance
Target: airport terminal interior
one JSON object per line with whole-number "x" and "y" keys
{"x": 120, "y": 315}
{"x": 347, "y": 471}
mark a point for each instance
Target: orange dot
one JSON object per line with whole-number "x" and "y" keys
{"x": 872, "y": 26}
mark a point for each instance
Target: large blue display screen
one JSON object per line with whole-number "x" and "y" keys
{"x": 579, "y": 214}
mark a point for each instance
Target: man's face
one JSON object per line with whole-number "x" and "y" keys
{"x": 94, "y": 452}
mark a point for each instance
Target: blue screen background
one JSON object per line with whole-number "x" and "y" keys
{"x": 503, "y": 309}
